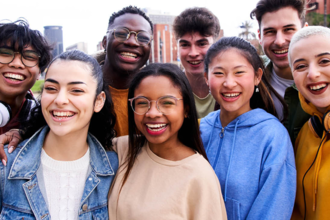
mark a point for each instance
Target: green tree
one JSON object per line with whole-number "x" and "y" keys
{"x": 247, "y": 34}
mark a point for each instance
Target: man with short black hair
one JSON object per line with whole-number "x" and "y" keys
{"x": 278, "y": 21}
{"x": 197, "y": 29}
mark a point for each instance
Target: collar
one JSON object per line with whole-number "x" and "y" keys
{"x": 27, "y": 161}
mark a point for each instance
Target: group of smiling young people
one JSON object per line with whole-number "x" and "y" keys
{"x": 111, "y": 138}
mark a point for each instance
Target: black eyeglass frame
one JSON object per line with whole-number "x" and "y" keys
{"x": 129, "y": 35}
{"x": 22, "y": 56}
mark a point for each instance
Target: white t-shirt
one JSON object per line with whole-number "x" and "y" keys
{"x": 280, "y": 85}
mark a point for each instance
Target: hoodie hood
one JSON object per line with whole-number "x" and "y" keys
{"x": 248, "y": 119}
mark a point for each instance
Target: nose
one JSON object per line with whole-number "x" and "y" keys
{"x": 153, "y": 112}
{"x": 132, "y": 40}
{"x": 280, "y": 39}
{"x": 313, "y": 72}
{"x": 193, "y": 51}
{"x": 229, "y": 82}
{"x": 17, "y": 61}
{"x": 61, "y": 98}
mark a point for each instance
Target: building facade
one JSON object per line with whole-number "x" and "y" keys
{"x": 54, "y": 36}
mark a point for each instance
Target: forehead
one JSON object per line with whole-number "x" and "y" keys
{"x": 156, "y": 86}
{"x": 133, "y": 22}
{"x": 310, "y": 46}
{"x": 194, "y": 37}
{"x": 69, "y": 70}
{"x": 280, "y": 18}
{"x": 231, "y": 57}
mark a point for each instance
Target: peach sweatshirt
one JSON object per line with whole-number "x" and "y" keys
{"x": 162, "y": 189}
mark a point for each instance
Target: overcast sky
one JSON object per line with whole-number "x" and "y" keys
{"x": 86, "y": 21}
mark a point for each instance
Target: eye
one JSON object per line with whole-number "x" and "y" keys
{"x": 50, "y": 89}
{"x": 289, "y": 29}
{"x": 300, "y": 67}
{"x": 324, "y": 61}
{"x": 184, "y": 45}
{"x": 269, "y": 32}
{"x": 218, "y": 73}
{"x": 240, "y": 72}
{"x": 77, "y": 90}
{"x": 202, "y": 44}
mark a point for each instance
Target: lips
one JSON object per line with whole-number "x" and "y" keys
{"x": 14, "y": 76}
{"x": 62, "y": 115}
{"x": 231, "y": 95}
{"x": 318, "y": 88}
{"x": 156, "y": 127}
{"x": 284, "y": 51}
{"x": 129, "y": 55}
{"x": 195, "y": 62}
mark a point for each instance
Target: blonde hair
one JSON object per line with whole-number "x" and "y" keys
{"x": 305, "y": 33}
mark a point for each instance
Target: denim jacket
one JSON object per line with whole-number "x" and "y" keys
{"x": 20, "y": 193}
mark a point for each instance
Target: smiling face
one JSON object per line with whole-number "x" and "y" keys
{"x": 310, "y": 61}
{"x": 129, "y": 55}
{"x": 15, "y": 78}
{"x": 68, "y": 99}
{"x": 193, "y": 48}
{"x": 155, "y": 126}
{"x": 276, "y": 31}
{"x": 232, "y": 79}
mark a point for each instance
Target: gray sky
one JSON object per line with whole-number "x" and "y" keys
{"x": 86, "y": 21}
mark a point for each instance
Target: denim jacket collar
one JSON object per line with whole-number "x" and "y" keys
{"x": 31, "y": 152}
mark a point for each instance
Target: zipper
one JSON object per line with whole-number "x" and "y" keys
{"x": 222, "y": 133}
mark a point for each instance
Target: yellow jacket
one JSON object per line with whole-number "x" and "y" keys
{"x": 317, "y": 180}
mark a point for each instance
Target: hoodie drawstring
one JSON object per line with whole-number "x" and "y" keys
{"x": 230, "y": 157}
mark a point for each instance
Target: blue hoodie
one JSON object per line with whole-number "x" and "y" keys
{"x": 254, "y": 161}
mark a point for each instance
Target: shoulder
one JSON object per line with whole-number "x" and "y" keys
{"x": 120, "y": 145}
{"x": 209, "y": 119}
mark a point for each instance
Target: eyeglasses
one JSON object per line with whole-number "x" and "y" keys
{"x": 123, "y": 34}
{"x": 29, "y": 58}
{"x": 165, "y": 104}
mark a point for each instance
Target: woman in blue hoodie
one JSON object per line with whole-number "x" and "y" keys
{"x": 249, "y": 149}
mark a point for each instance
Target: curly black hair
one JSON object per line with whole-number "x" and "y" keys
{"x": 18, "y": 35}
{"x": 132, "y": 10}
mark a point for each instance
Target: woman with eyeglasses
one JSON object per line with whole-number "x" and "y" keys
{"x": 164, "y": 172}
{"x": 24, "y": 54}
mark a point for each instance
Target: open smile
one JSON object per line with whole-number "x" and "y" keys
{"x": 62, "y": 115}
{"x": 230, "y": 97}
{"x": 156, "y": 129}
{"x": 195, "y": 62}
{"x": 14, "y": 76}
{"x": 317, "y": 88}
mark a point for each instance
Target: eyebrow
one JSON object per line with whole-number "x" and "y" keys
{"x": 322, "y": 54}
{"x": 296, "y": 61}
{"x": 70, "y": 83}
{"x": 183, "y": 41}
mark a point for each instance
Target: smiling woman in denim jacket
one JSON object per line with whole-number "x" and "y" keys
{"x": 62, "y": 171}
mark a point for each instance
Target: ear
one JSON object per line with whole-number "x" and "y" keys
{"x": 206, "y": 79}
{"x": 104, "y": 42}
{"x": 259, "y": 36}
{"x": 99, "y": 102}
{"x": 306, "y": 24}
{"x": 258, "y": 77}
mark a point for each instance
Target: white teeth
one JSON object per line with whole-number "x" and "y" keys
{"x": 281, "y": 51}
{"x": 14, "y": 76}
{"x": 230, "y": 94}
{"x": 62, "y": 114}
{"x": 318, "y": 87}
{"x": 195, "y": 62}
{"x": 156, "y": 127}
{"x": 128, "y": 54}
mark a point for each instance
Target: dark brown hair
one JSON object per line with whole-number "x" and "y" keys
{"x": 262, "y": 99}
{"x": 265, "y": 6}
{"x": 199, "y": 20}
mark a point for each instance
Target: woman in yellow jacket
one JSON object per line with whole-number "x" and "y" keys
{"x": 309, "y": 58}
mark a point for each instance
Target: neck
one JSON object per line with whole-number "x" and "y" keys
{"x": 115, "y": 78}
{"x": 67, "y": 148}
{"x": 171, "y": 150}
{"x": 284, "y": 73}
{"x": 198, "y": 84}
{"x": 227, "y": 117}
{"x": 14, "y": 102}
